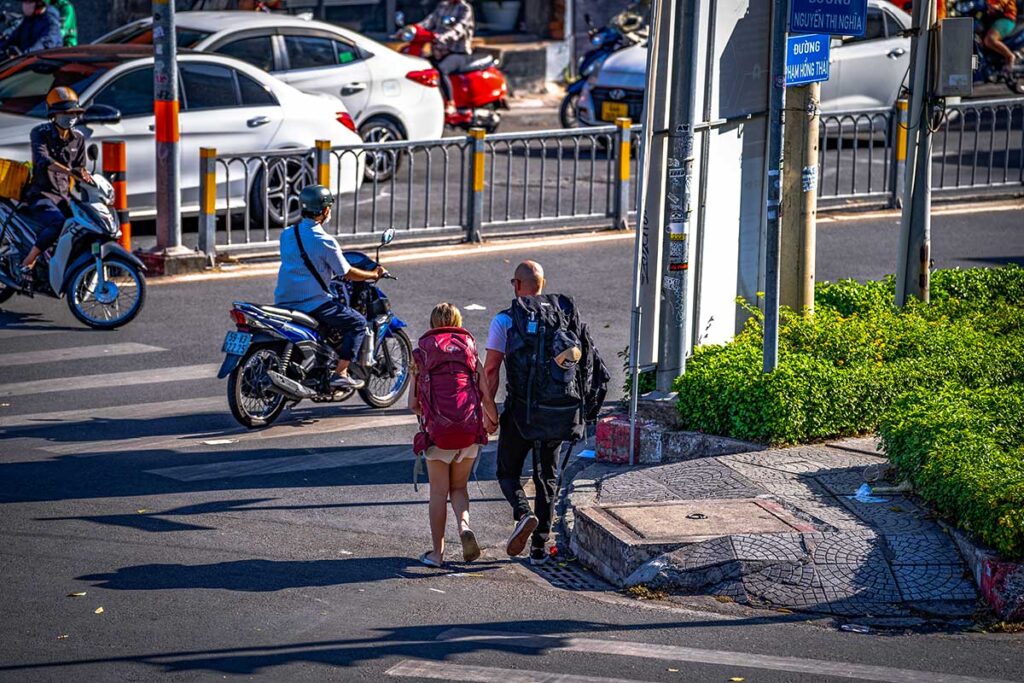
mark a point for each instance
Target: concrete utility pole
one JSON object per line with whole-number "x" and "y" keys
{"x": 914, "y": 257}
{"x": 800, "y": 197}
{"x": 165, "y": 111}
{"x": 678, "y": 195}
{"x": 776, "y": 124}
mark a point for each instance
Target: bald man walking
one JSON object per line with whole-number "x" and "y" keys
{"x": 528, "y": 281}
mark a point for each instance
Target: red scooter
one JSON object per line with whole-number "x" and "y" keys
{"x": 479, "y": 88}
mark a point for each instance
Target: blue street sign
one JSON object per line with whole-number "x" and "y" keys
{"x": 837, "y": 17}
{"x": 807, "y": 58}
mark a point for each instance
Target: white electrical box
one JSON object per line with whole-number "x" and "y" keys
{"x": 953, "y": 58}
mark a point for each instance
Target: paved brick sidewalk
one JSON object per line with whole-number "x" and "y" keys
{"x": 877, "y": 559}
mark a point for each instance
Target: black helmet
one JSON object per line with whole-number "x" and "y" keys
{"x": 314, "y": 199}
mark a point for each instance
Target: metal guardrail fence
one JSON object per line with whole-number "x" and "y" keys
{"x": 977, "y": 145}
{"x": 490, "y": 185}
{"x": 470, "y": 187}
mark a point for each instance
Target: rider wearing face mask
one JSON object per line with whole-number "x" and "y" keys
{"x": 39, "y": 30}
{"x": 58, "y": 153}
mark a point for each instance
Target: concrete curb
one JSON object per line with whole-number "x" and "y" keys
{"x": 1000, "y": 582}
{"x": 655, "y": 444}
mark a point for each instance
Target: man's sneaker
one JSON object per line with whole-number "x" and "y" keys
{"x": 521, "y": 534}
{"x": 346, "y": 382}
{"x": 538, "y": 555}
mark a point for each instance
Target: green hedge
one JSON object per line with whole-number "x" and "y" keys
{"x": 843, "y": 367}
{"x": 964, "y": 450}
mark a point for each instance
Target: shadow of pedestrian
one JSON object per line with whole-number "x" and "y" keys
{"x": 261, "y": 576}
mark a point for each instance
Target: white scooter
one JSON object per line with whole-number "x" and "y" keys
{"x": 101, "y": 280}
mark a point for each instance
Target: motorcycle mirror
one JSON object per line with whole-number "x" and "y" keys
{"x": 101, "y": 113}
{"x": 92, "y": 153}
{"x": 588, "y": 20}
{"x": 387, "y": 237}
{"x": 399, "y": 19}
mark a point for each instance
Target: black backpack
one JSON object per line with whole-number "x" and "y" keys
{"x": 549, "y": 402}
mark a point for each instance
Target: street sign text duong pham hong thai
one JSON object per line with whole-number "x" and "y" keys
{"x": 807, "y": 59}
{"x": 837, "y": 17}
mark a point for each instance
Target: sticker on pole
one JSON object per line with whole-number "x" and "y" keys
{"x": 807, "y": 59}
{"x": 836, "y": 17}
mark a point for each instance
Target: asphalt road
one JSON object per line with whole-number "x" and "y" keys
{"x": 289, "y": 553}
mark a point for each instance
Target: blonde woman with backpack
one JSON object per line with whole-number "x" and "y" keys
{"x": 448, "y": 400}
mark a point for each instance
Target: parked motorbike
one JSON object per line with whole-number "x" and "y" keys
{"x": 606, "y": 41}
{"x": 277, "y": 356}
{"x": 101, "y": 281}
{"x": 990, "y": 65}
{"x": 479, "y": 89}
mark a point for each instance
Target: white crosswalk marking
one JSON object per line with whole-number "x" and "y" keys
{"x": 675, "y": 653}
{"x": 75, "y": 353}
{"x": 19, "y": 332}
{"x": 292, "y": 463}
{"x": 132, "y": 411}
{"x": 111, "y": 379}
{"x": 446, "y": 671}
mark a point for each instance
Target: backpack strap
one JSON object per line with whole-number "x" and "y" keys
{"x": 305, "y": 259}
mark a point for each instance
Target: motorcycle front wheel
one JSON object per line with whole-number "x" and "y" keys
{"x": 114, "y": 304}
{"x": 383, "y": 390}
{"x": 5, "y": 293}
{"x": 567, "y": 112}
{"x": 251, "y": 397}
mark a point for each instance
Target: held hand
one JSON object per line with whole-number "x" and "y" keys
{"x": 86, "y": 177}
{"x": 490, "y": 424}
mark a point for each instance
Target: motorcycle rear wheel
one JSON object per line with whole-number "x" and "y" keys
{"x": 383, "y": 391}
{"x": 568, "y": 114}
{"x": 250, "y": 396}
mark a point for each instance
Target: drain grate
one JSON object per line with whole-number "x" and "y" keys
{"x": 569, "y": 574}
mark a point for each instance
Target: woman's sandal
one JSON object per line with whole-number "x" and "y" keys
{"x": 425, "y": 559}
{"x": 470, "y": 548}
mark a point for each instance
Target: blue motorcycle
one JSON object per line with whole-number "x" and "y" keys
{"x": 277, "y": 356}
{"x": 606, "y": 40}
{"x": 989, "y": 65}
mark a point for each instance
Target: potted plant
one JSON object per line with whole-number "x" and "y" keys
{"x": 501, "y": 15}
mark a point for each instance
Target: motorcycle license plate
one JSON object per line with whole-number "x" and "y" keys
{"x": 236, "y": 343}
{"x": 614, "y": 110}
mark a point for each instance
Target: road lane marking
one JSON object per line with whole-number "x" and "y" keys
{"x": 133, "y": 411}
{"x": 232, "y": 469}
{"x": 298, "y": 427}
{"x": 266, "y": 269}
{"x": 958, "y": 209}
{"x": 675, "y": 653}
{"x": 446, "y": 671}
{"x": 18, "y": 332}
{"x": 112, "y": 379}
{"x": 75, "y": 353}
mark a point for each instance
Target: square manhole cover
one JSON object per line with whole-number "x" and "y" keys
{"x": 686, "y": 520}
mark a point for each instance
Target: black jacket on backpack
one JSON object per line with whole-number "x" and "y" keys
{"x": 549, "y": 402}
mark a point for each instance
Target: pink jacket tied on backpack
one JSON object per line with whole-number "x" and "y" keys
{"x": 447, "y": 391}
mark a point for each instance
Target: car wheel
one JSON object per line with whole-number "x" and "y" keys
{"x": 286, "y": 176}
{"x": 381, "y": 166}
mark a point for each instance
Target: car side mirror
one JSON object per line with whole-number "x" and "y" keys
{"x": 387, "y": 237}
{"x": 101, "y": 113}
{"x": 399, "y": 19}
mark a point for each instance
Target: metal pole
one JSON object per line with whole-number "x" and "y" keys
{"x": 165, "y": 111}
{"x": 323, "y": 162}
{"x": 208, "y": 202}
{"x": 915, "y": 226}
{"x": 678, "y": 196}
{"x": 622, "y": 172}
{"x": 115, "y": 168}
{"x": 702, "y": 194}
{"x": 776, "y": 122}
{"x": 475, "y": 203}
{"x": 900, "y": 153}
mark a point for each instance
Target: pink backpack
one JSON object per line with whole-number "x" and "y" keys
{"x": 447, "y": 391}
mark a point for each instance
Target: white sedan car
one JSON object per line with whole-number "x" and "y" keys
{"x": 392, "y": 96}
{"x": 866, "y": 71}
{"x": 225, "y": 104}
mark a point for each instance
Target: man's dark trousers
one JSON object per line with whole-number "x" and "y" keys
{"x": 346, "y": 320}
{"x": 512, "y": 452}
